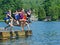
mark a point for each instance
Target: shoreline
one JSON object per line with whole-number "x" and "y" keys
{"x": 1, "y": 20}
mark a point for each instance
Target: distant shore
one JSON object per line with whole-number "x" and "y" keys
{"x": 1, "y": 20}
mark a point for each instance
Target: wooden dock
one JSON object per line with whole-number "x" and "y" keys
{"x": 7, "y": 34}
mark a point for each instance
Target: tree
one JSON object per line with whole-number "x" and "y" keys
{"x": 41, "y": 13}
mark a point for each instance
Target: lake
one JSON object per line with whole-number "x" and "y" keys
{"x": 43, "y": 33}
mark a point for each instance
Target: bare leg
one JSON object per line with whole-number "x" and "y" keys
{"x": 10, "y": 25}
{"x": 22, "y": 26}
{"x": 17, "y": 22}
{"x": 11, "y": 22}
{"x": 28, "y": 26}
{"x": 7, "y": 27}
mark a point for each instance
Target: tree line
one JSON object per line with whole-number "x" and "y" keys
{"x": 41, "y": 8}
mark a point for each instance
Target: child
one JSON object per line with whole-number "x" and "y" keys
{"x": 22, "y": 18}
{"x": 8, "y": 19}
{"x": 16, "y": 15}
{"x": 28, "y": 15}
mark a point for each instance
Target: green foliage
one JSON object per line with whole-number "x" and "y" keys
{"x": 54, "y": 13}
{"x": 41, "y": 13}
{"x": 42, "y": 8}
{"x": 52, "y": 8}
{"x": 1, "y": 15}
{"x": 9, "y": 4}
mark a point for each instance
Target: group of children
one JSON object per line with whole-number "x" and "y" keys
{"x": 21, "y": 17}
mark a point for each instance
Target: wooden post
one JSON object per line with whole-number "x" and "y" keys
{"x": 4, "y": 35}
{"x": 28, "y": 32}
{"x": 12, "y": 34}
{"x": 20, "y": 33}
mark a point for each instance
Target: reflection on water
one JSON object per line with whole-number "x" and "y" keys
{"x": 44, "y": 33}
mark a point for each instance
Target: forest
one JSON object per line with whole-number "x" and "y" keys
{"x": 41, "y": 8}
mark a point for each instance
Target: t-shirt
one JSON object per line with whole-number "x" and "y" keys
{"x": 8, "y": 13}
{"x": 28, "y": 14}
{"x": 21, "y": 16}
{"x": 16, "y": 16}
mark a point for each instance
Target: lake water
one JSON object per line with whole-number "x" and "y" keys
{"x": 44, "y": 33}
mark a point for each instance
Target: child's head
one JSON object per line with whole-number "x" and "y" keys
{"x": 9, "y": 10}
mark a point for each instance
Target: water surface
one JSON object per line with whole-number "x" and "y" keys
{"x": 44, "y": 33}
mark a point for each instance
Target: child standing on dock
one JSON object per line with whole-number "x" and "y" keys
{"x": 8, "y": 19}
{"x": 16, "y": 17}
{"x": 23, "y": 19}
{"x": 28, "y": 15}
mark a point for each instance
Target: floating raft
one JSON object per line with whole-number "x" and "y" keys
{"x": 6, "y": 34}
